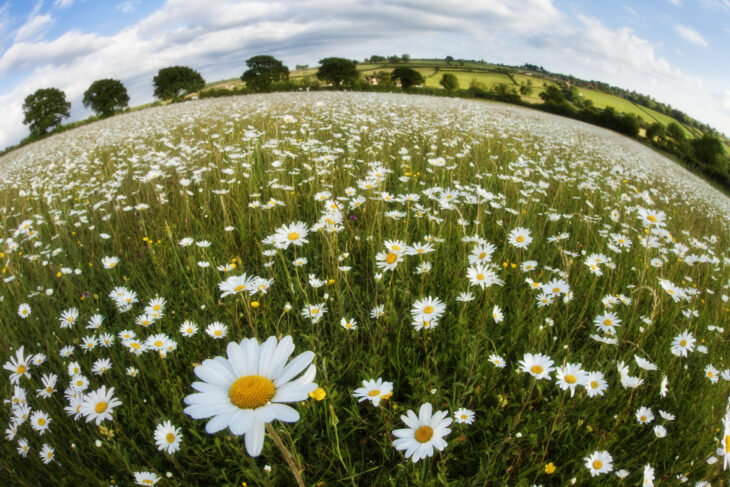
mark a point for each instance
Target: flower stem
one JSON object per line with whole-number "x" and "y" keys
{"x": 296, "y": 470}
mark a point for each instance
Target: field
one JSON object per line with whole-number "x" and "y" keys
{"x": 359, "y": 289}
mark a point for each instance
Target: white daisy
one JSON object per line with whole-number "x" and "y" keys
{"x": 423, "y": 433}
{"x": 247, "y": 390}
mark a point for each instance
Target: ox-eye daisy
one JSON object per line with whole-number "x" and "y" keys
{"x": 247, "y": 390}
{"x": 168, "y": 437}
{"x": 423, "y": 433}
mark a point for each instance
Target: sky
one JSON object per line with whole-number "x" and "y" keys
{"x": 676, "y": 51}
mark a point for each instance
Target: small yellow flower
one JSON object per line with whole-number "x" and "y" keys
{"x": 549, "y": 468}
{"x": 58, "y": 274}
{"x": 387, "y": 396}
{"x": 255, "y": 304}
{"x": 331, "y": 281}
{"x": 318, "y": 394}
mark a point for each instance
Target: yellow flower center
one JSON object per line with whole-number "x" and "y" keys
{"x": 251, "y": 391}
{"x": 239, "y": 288}
{"x": 556, "y": 290}
{"x": 482, "y": 255}
{"x": 536, "y": 369}
{"x": 148, "y": 482}
{"x": 391, "y": 258}
{"x": 710, "y": 374}
{"x": 79, "y": 383}
{"x": 570, "y": 379}
{"x": 217, "y": 333}
{"x": 423, "y": 434}
{"x": 170, "y": 438}
{"x": 480, "y": 277}
{"x": 428, "y": 310}
{"x": 683, "y": 343}
{"x": 607, "y": 322}
{"x": 293, "y": 236}
{"x": 189, "y": 330}
{"x": 597, "y": 464}
{"x": 396, "y": 247}
{"x": 136, "y": 345}
{"x": 727, "y": 443}
{"x": 41, "y": 421}
{"x": 158, "y": 343}
{"x": 315, "y": 311}
{"x": 374, "y": 392}
{"x": 157, "y": 307}
{"x": 112, "y": 264}
{"x": 100, "y": 407}
{"x": 21, "y": 369}
{"x": 520, "y": 239}
{"x": 594, "y": 384}
{"x": 651, "y": 218}
{"x": 670, "y": 291}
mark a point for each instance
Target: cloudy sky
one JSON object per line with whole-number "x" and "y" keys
{"x": 674, "y": 50}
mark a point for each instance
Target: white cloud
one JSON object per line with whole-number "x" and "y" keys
{"x": 63, "y": 3}
{"x": 127, "y": 6}
{"x": 34, "y": 29}
{"x": 676, "y": 3}
{"x": 690, "y": 35}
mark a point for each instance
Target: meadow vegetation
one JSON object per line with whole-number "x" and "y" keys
{"x": 549, "y": 301}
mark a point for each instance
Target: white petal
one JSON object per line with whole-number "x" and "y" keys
{"x": 284, "y": 413}
{"x": 292, "y": 392}
{"x": 307, "y": 376}
{"x": 264, "y": 414}
{"x": 424, "y": 414}
{"x": 214, "y": 372}
{"x": 283, "y": 350}
{"x": 266, "y": 353}
{"x": 219, "y": 422}
{"x": 237, "y": 359}
{"x": 242, "y": 421}
{"x": 250, "y": 349}
{"x": 255, "y": 438}
{"x": 299, "y": 363}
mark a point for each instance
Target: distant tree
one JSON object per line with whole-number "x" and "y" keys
{"x": 263, "y": 72}
{"x": 393, "y": 59}
{"x": 338, "y": 71}
{"x": 45, "y": 109}
{"x": 405, "y": 57}
{"x": 675, "y": 132}
{"x": 526, "y": 88}
{"x": 106, "y": 96}
{"x": 301, "y": 66}
{"x": 408, "y": 77}
{"x": 176, "y": 81}
{"x": 655, "y": 130}
{"x": 708, "y": 150}
{"x": 376, "y": 59}
{"x": 449, "y": 81}
{"x": 448, "y": 59}
{"x": 553, "y": 95}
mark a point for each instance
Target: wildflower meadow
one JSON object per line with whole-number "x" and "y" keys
{"x": 359, "y": 289}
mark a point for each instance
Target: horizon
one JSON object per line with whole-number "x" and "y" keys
{"x": 664, "y": 49}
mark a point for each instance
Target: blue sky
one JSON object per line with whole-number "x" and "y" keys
{"x": 673, "y": 50}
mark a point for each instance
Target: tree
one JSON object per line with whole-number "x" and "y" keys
{"x": 449, "y": 81}
{"x": 408, "y": 77}
{"x": 177, "y": 81}
{"x": 655, "y": 130}
{"x": 675, "y": 132}
{"x": 526, "y": 89}
{"x": 263, "y": 71}
{"x": 448, "y": 59}
{"x": 405, "y": 57}
{"x": 338, "y": 71}
{"x": 708, "y": 150}
{"x": 45, "y": 109}
{"x": 105, "y": 96}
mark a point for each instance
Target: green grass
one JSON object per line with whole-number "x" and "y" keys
{"x": 206, "y": 171}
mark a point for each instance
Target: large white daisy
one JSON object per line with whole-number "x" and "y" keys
{"x": 248, "y": 389}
